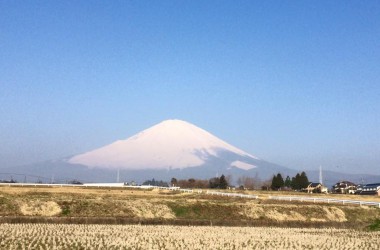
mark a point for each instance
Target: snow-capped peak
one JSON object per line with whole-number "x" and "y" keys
{"x": 169, "y": 144}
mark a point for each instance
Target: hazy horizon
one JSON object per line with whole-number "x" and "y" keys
{"x": 293, "y": 83}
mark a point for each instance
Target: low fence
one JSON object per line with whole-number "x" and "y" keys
{"x": 186, "y": 190}
{"x": 233, "y": 195}
{"x": 98, "y": 185}
{"x": 325, "y": 200}
{"x": 165, "y": 188}
{"x": 40, "y": 185}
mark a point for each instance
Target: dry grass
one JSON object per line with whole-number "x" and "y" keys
{"x": 152, "y": 205}
{"x": 266, "y": 194}
{"x": 40, "y": 208}
{"x": 144, "y": 209}
{"x": 152, "y": 193}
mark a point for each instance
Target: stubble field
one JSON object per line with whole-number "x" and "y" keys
{"x": 48, "y": 236}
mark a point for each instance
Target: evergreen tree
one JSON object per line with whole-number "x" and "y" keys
{"x": 274, "y": 182}
{"x": 223, "y": 184}
{"x": 296, "y": 182}
{"x": 173, "y": 182}
{"x": 304, "y": 181}
{"x": 277, "y": 182}
{"x": 214, "y": 182}
{"x": 280, "y": 180}
{"x": 218, "y": 182}
{"x": 300, "y": 181}
{"x": 288, "y": 182}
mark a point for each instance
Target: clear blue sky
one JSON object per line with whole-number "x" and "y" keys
{"x": 293, "y": 82}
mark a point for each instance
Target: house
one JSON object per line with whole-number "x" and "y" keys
{"x": 371, "y": 189}
{"x": 344, "y": 187}
{"x": 316, "y": 187}
{"x": 359, "y": 189}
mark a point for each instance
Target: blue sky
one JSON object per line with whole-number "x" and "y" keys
{"x": 294, "y": 82}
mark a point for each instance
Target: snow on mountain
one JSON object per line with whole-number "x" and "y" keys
{"x": 171, "y": 144}
{"x": 242, "y": 165}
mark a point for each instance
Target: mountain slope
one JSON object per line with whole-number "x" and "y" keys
{"x": 170, "y": 144}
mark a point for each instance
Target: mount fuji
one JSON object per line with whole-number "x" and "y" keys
{"x": 172, "y": 148}
{"x": 175, "y": 148}
{"x": 171, "y": 144}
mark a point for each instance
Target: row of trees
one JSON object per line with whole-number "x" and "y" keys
{"x": 221, "y": 182}
{"x": 297, "y": 182}
{"x": 153, "y": 182}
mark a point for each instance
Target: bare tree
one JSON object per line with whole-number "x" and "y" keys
{"x": 247, "y": 182}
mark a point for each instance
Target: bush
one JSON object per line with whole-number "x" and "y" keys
{"x": 375, "y": 226}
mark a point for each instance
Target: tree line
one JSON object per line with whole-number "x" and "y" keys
{"x": 153, "y": 182}
{"x": 221, "y": 182}
{"x": 297, "y": 182}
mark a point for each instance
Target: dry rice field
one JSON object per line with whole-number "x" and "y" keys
{"x": 64, "y": 236}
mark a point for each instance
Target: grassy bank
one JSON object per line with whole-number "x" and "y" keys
{"x": 131, "y": 206}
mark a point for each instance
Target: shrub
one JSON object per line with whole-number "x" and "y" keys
{"x": 375, "y": 226}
